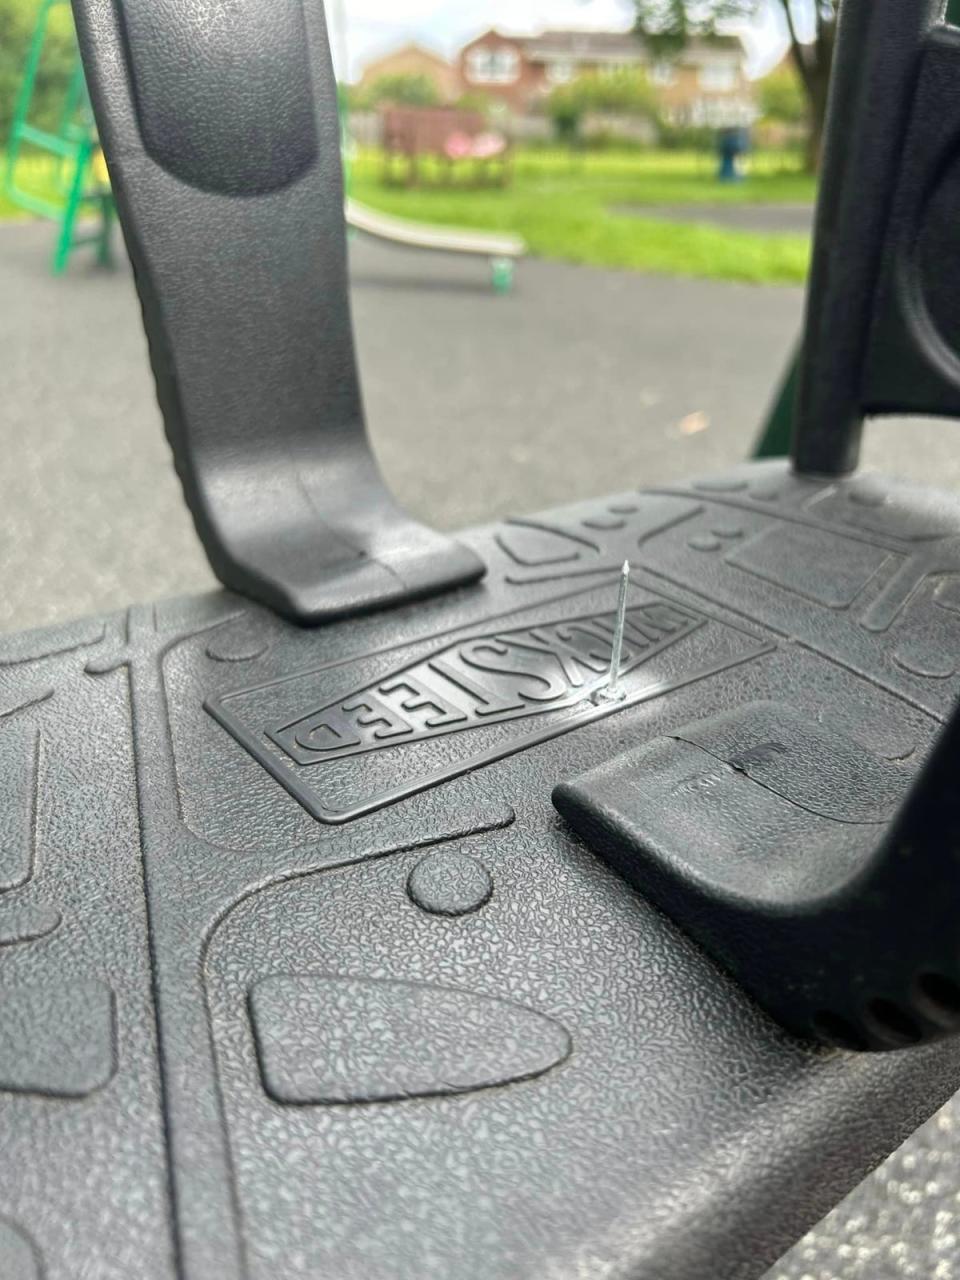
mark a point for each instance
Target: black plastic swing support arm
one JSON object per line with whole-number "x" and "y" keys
{"x": 882, "y": 331}
{"x": 220, "y": 129}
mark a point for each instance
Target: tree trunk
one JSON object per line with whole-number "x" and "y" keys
{"x": 817, "y": 89}
{"x": 813, "y": 63}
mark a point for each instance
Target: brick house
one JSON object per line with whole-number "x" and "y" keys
{"x": 495, "y": 66}
{"x": 705, "y": 85}
{"x": 413, "y": 60}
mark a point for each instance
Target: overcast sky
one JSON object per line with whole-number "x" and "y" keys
{"x": 363, "y": 29}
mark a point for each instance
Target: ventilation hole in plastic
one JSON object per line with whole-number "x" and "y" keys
{"x": 891, "y": 1023}
{"x": 941, "y": 993}
{"x": 837, "y": 1030}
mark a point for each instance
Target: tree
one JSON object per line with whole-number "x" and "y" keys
{"x": 781, "y": 95}
{"x": 403, "y": 90}
{"x": 668, "y": 25}
{"x": 625, "y": 93}
{"x": 17, "y": 20}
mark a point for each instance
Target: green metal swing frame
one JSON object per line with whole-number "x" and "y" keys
{"x": 75, "y": 146}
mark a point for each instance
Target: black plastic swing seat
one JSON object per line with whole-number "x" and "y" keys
{"x": 399, "y": 942}
{"x": 302, "y": 974}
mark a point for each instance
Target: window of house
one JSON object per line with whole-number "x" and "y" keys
{"x": 560, "y": 71}
{"x": 663, "y": 74}
{"x": 719, "y": 77}
{"x": 493, "y": 66}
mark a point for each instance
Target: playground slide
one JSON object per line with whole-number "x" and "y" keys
{"x": 420, "y": 235}
{"x": 500, "y": 248}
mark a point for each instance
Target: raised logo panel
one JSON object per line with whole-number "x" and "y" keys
{"x": 351, "y": 737}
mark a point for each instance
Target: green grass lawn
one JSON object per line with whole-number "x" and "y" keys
{"x": 565, "y": 207}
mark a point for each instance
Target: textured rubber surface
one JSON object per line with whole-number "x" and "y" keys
{"x": 209, "y": 995}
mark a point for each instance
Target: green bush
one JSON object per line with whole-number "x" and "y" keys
{"x": 781, "y": 96}
{"x": 687, "y": 137}
{"x": 401, "y": 91}
{"x": 612, "y": 140}
{"x": 566, "y": 111}
{"x": 474, "y": 101}
{"x": 624, "y": 93}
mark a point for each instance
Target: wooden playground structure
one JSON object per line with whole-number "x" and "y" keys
{"x": 440, "y": 146}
